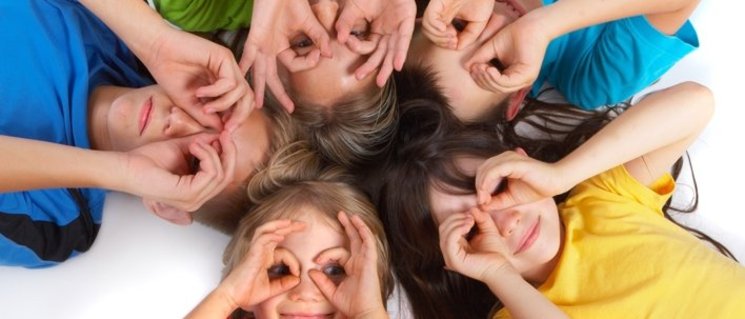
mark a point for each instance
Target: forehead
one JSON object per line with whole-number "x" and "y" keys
{"x": 320, "y": 233}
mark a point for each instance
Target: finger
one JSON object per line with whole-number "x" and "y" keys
{"x": 324, "y": 284}
{"x": 225, "y": 101}
{"x": 220, "y": 87}
{"x": 248, "y": 57}
{"x": 296, "y": 63}
{"x": 367, "y": 237}
{"x": 240, "y": 111}
{"x": 167, "y": 212}
{"x": 282, "y": 284}
{"x": 344, "y": 23}
{"x": 447, "y": 39}
{"x": 470, "y": 34}
{"x": 373, "y": 61}
{"x": 320, "y": 37}
{"x": 484, "y": 222}
{"x": 406, "y": 30}
{"x": 481, "y": 78}
{"x": 483, "y": 54}
{"x": 259, "y": 79}
{"x": 513, "y": 78}
{"x": 354, "y": 238}
{"x": 363, "y": 47}
{"x": 228, "y": 159}
{"x": 385, "y": 70}
{"x": 278, "y": 90}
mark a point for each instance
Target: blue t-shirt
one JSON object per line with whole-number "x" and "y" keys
{"x": 54, "y": 53}
{"x": 610, "y": 62}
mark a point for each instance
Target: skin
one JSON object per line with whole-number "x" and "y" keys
{"x": 302, "y": 250}
{"x": 115, "y": 120}
{"x": 532, "y": 258}
{"x": 336, "y": 72}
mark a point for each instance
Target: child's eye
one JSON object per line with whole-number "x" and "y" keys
{"x": 278, "y": 270}
{"x": 459, "y": 24}
{"x": 193, "y": 164}
{"x": 301, "y": 42}
{"x": 360, "y": 34}
{"x": 335, "y": 272}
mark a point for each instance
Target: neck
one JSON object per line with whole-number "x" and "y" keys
{"x": 99, "y": 104}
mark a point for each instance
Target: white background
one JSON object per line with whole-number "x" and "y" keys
{"x": 142, "y": 267}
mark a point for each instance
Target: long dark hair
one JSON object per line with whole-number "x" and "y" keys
{"x": 426, "y": 146}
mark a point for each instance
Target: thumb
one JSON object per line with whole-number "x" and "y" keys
{"x": 483, "y": 54}
{"x": 324, "y": 284}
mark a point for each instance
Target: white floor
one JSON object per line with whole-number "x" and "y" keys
{"x": 142, "y": 267}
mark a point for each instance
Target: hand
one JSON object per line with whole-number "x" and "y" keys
{"x": 520, "y": 47}
{"x": 482, "y": 256}
{"x": 249, "y": 283}
{"x": 163, "y": 173}
{"x": 205, "y": 72}
{"x": 527, "y": 180}
{"x": 358, "y": 294}
{"x": 273, "y": 24}
{"x": 438, "y": 17}
{"x": 391, "y": 29}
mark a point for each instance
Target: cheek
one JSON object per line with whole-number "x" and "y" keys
{"x": 268, "y": 308}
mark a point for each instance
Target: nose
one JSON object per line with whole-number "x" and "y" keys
{"x": 306, "y": 291}
{"x": 326, "y": 12}
{"x": 506, "y": 221}
{"x": 180, "y": 124}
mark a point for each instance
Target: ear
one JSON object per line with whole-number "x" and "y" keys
{"x": 521, "y": 151}
{"x": 168, "y": 212}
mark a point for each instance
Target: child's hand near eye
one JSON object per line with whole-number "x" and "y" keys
{"x": 526, "y": 179}
{"x": 392, "y": 25}
{"x": 273, "y": 24}
{"x": 249, "y": 282}
{"x": 520, "y": 47}
{"x": 480, "y": 257}
{"x": 161, "y": 171}
{"x": 438, "y": 17}
{"x": 357, "y": 294}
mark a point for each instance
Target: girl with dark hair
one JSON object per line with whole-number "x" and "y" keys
{"x": 445, "y": 174}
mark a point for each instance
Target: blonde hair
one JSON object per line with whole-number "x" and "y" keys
{"x": 354, "y": 130}
{"x": 294, "y": 179}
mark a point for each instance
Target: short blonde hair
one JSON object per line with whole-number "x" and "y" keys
{"x": 354, "y": 130}
{"x": 294, "y": 179}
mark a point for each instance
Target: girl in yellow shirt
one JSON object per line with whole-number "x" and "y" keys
{"x": 607, "y": 251}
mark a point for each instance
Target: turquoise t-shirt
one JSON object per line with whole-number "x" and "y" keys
{"x": 610, "y": 62}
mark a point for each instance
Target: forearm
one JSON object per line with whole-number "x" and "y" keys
{"x": 30, "y": 164}
{"x": 664, "y": 122}
{"x": 133, "y": 21}
{"x": 566, "y": 16}
{"x": 520, "y": 297}
{"x": 215, "y": 305}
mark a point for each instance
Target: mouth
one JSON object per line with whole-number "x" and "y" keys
{"x": 145, "y": 112}
{"x": 529, "y": 237}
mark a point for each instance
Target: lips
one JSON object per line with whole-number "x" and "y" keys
{"x": 529, "y": 237}
{"x": 145, "y": 111}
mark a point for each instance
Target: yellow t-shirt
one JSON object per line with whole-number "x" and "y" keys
{"x": 622, "y": 258}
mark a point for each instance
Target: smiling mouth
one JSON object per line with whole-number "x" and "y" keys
{"x": 145, "y": 111}
{"x": 530, "y": 236}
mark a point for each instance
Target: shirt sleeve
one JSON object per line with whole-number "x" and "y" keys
{"x": 206, "y": 15}
{"x": 609, "y": 63}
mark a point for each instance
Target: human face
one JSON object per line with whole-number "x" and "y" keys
{"x": 318, "y": 241}
{"x": 532, "y": 231}
{"x": 332, "y": 78}
{"x": 470, "y": 102}
{"x": 126, "y": 118}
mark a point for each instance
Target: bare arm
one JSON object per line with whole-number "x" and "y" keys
{"x": 647, "y": 138}
{"x": 568, "y": 15}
